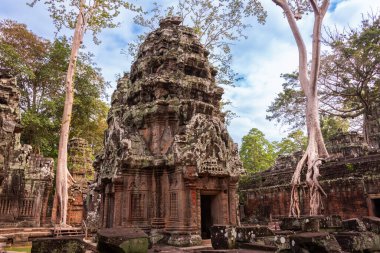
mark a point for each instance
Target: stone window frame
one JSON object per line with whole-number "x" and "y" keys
{"x": 137, "y": 206}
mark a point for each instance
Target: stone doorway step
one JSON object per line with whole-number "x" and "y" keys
{"x": 16, "y": 235}
{"x": 67, "y": 231}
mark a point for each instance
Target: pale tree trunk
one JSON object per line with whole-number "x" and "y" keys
{"x": 62, "y": 174}
{"x": 316, "y": 149}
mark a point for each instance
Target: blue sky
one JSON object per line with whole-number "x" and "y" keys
{"x": 269, "y": 51}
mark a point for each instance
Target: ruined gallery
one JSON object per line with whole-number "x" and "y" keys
{"x": 169, "y": 165}
{"x": 25, "y": 177}
{"x": 351, "y": 179}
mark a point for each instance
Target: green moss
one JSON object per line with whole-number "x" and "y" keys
{"x": 350, "y": 166}
{"x": 138, "y": 245}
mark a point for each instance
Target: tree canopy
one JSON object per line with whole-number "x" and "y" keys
{"x": 40, "y": 75}
{"x": 256, "y": 152}
{"x": 348, "y": 85}
{"x": 295, "y": 141}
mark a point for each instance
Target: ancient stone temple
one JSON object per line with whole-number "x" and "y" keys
{"x": 350, "y": 178}
{"x": 169, "y": 165}
{"x": 374, "y": 127}
{"x": 25, "y": 178}
{"x": 80, "y": 167}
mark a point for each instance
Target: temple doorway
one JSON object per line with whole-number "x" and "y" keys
{"x": 376, "y": 207}
{"x": 206, "y": 215}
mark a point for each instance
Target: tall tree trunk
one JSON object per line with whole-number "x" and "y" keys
{"x": 62, "y": 171}
{"x": 316, "y": 148}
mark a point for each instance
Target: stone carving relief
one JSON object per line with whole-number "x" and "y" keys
{"x": 207, "y": 145}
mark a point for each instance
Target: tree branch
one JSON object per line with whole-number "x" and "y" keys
{"x": 303, "y": 73}
{"x": 316, "y": 46}
{"x": 314, "y": 6}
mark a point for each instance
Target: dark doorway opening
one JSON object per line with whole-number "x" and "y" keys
{"x": 206, "y": 216}
{"x": 376, "y": 207}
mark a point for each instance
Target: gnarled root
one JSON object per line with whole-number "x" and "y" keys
{"x": 315, "y": 190}
{"x": 294, "y": 209}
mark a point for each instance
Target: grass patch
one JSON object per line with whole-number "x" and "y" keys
{"x": 26, "y": 249}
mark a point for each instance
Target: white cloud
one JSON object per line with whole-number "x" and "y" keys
{"x": 268, "y": 52}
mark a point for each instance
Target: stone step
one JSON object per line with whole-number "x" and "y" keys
{"x": 17, "y": 230}
{"x": 71, "y": 231}
{"x": 257, "y": 246}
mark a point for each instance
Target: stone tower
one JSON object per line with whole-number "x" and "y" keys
{"x": 80, "y": 167}
{"x": 169, "y": 165}
{"x": 374, "y": 127}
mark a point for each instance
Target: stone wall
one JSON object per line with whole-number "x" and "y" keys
{"x": 351, "y": 179}
{"x": 80, "y": 167}
{"x": 25, "y": 177}
{"x": 374, "y": 127}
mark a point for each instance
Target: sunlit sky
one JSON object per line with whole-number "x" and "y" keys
{"x": 269, "y": 51}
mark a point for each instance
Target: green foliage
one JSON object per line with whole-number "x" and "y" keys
{"x": 217, "y": 23}
{"x": 349, "y": 82}
{"x": 295, "y": 141}
{"x": 288, "y": 108}
{"x": 97, "y": 14}
{"x": 41, "y": 80}
{"x": 256, "y": 153}
{"x": 349, "y": 166}
{"x": 41, "y": 131}
{"x": 332, "y": 125}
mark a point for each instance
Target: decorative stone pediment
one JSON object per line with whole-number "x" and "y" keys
{"x": 207, "y": 145}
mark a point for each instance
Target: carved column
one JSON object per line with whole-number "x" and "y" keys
{"x": 118, "y": 209}
{"x": 191, "y": 205}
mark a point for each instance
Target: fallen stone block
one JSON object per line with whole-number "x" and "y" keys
{"x": 290, "y": 223}
{"x": 358, "y": 241}
{"x": 354, "y": 225}
{"x": 330, "y": 221}
{"x": 122, "y": 240}
{"x": 306, "y": 224}
{"x": 249, "y": 233}
{"x": 223, "y": 237}
{"x": 181, "y": 239}
{"x": 58, "y": 245}
{"x": 372, "y": 224}
{"x": 314, "y": 242}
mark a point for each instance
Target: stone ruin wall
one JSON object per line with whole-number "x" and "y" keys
{"x": 80, "y": 160}
{"x": 351, "y": 179}
{"x": 374, "y": 127}
{"x": 25, "y": 177}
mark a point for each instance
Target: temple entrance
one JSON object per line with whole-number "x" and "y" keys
{"x": 376, "y": 207}
{"x": 206, "y": 215}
